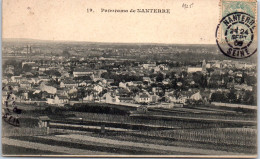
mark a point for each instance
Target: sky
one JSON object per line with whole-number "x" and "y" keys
{"x": 69, "y": 20}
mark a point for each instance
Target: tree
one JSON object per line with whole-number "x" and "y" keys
{"x": 160, "y": 77}
{"x": 102, "y": 93}
{"x": 105, "y": 75}
{"x": 81, "y": 94}
{"x": 232, "y": 96}
{"x": 250, "y": 80}
{"x": 172, "y": 75}
{"x": 218, "y": 97}
{"x": 210, "y": 70}
{"x": 27, "y": 68}
{"x": 248, "y": 98}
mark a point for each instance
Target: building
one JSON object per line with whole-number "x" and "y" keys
{"x": 154, "y": 98}
{"x": 89, "y": 97}
{"x": 48, "y": 89}
{"x": 44, "y": 121}
{"x": 142, "y": 98}
{"x": 82, "y": 72}
{"x": 111, "y": 98}
{"x": 196, "y": 96}
{"x": 122, "y": 85}
{"x": 25, "y": 84}
{"x": 180, "y": 99}
{"x": 58, "y": 100}
{"x": 126, "y": 99}
{"x": 149, "y": 66}
{"x": 68, "y": 83}
{"x": 194, "y": 69}
{"x": 27, "y": 63}
{"x": 16, "y": 79}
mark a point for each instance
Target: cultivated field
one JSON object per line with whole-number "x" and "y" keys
{"x": 83, "y": 131}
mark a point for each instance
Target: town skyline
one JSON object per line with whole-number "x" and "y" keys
{"x": 145, "y": 94}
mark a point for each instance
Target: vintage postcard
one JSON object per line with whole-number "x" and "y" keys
{"x": 123, "y": 78}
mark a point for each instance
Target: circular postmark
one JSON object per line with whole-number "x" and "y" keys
{"x": 235, "y": 35}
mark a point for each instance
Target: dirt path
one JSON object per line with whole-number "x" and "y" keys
{"x": 150, "y": 146}
{"x": 45, "y": 147}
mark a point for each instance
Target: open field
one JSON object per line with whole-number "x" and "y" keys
{"x": 97, "y": 145}
{"x": 78, "y": 131}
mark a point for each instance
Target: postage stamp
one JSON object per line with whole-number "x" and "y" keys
{"x": 236, "y": 31}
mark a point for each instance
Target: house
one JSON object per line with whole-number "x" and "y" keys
{"x": 62, "y": 92}
{"x": 163, "y": 67}
{"x": 197, "y": 96}
{"x": 25, "y": 84}
{"x": 149, "y": 66}
{"x": 37, "y": 92}
{"x": 243, "y": 87}
{"x": 126, "y": 99}
{"x": 16, "y": 79}
{"x": 48, "y": 89}
{"x": 82, "y": 72}
{"x": 194, "y": 69}
{"x": 83, "y": 83}
{"x": 58, "y": 100}
{"x": 157, "y": 90}
{"x": 24, "y": 94}
{"x": 154, "y": 98}
{"x": 157, "y": 69}
{"x": 44, "y": 78}
{"x": 130, "y": 83}
{"x": 89, "y": 97}
{"x": 43, "y": 68}
{"x": 122, "y": 85}
{"x": 73, "y": 93}
{"x": 28, "y": 63}
{"x": 217, "y": 64}
{"x": 44, "y": 121}
{"x": 62, "y": 99}
{"x": 111, "y": 98}
{"x": 179, "y": 99}
{"x": 68, "y": 83}
{"x": 142, "y": 98}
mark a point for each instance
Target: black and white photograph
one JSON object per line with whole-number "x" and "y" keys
{"x": 87, "y": 78}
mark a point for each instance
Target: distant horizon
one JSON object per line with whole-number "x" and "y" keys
{"x": 138, "y": 43}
